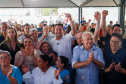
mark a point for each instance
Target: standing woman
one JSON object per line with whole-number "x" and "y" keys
{"x": 27, "y": 56}
{"x": 11, "y": 43}
{"x": 43, "y": 74}
{"x": 9, "y": 74}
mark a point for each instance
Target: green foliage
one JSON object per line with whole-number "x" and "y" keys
{"x": 49, "y": 11}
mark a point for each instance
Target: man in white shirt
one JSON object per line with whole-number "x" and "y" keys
{"x": 62, "y": 44}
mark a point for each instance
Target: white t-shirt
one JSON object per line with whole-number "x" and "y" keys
{"x": 38, "y": 77}
{"x": 63, "y": 46}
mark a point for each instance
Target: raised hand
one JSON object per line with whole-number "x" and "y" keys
{"x": 44, "y": 36}
{"x": 25, "y": 69}
{"x": 23, "y": 52}
{"x": 68, "y": 15}
{"x": 9, "y": 72}
{"x": 97, "y": 16}
{"x": 104, "y": 13}
{"x": 57, "y": 72}
{"x": 118, "y": 67}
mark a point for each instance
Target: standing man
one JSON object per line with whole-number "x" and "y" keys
{"x": 87, "y": 60}
{"x": 115, "y": 62}
{"x": 46, "y": 32}
{"x": 34, "y": 36}
{"x": 26, "y": 32}
{"x": 40, "y": 29}
{"x": 62, "y": 44}
{"x": 117, "y": 28}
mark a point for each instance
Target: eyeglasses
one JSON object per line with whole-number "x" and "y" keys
{"x": 115, "y": 42}
{"x": 4, "y": 57}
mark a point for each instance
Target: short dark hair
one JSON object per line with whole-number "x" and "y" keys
{"x": 119, "y": 36}
{"x": 28, "y": 36}
{"x": 55, "y": 53}
{"x": 64, "y": 60}
{"x": 92, "y": 30}
{"x": 47, "y": 58}
{"x": 53, "y": 25}
{"x": 60, "y": 24}
{"x": 118, "y": 25}
{"x": 27, "y": 24}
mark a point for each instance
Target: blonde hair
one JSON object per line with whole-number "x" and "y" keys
{"x": 8, "y": 41}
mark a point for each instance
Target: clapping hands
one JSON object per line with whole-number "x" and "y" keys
{"x": 90, "y": 58}
{"x": 57, "y": 72}
{"x": 25, "y": 69}
{"x": 9, "y": 72}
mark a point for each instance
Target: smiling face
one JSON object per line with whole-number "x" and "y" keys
{"x": 41, "y": 63}
{"x": 58, "y": 63}
{"x": 5, "y": 59}
{"x": 87, "y": 41}
{"x": 117, "y": 30}
{"x": 58, "y": 31}
{"x": 34, "y": 34}
{"x": 26, "y": 29}
{"x": 115, "y": 44}
{"x": 79, "y": 37}
{"x": 28, "y": 43}
{"x": 45, "y": 48}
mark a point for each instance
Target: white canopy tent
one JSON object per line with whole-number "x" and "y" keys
{"x": 55, "y": 3}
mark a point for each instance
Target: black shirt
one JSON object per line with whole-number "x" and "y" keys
{"x": 114, "y": 77}
{"x": 4, "y": 46}
{"x": 1, "y": 38}
{"x": 107, "y": 43}
{"x": 39, "y": 30}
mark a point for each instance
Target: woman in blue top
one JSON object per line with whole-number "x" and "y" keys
{"x": 9, "y": 74}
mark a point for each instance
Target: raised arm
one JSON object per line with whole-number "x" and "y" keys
{"x": 38, "y": 44}
{"x": 97, "y": 17}
{"x": 73, "y": 30}
{"x": 104, "y": 30}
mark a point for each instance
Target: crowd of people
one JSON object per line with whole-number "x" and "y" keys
{"x": 91, "y": 53}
